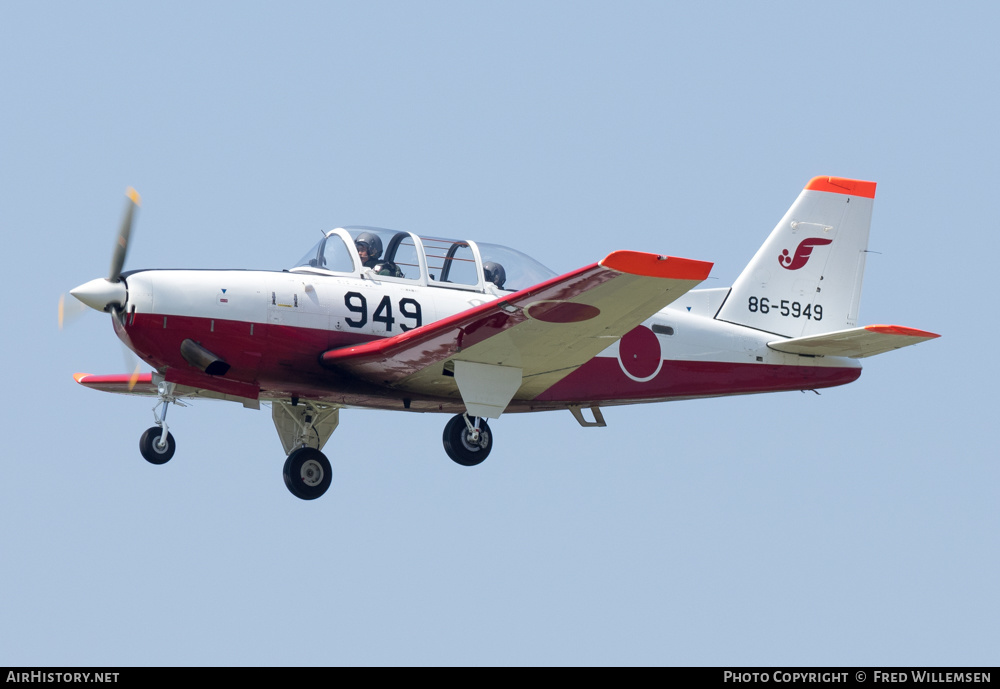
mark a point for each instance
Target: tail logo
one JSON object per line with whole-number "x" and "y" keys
{"x": 802, "y": 253}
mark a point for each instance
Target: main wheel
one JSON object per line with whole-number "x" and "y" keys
{"x": 307, "y": 473}
{"x": 149, "y": 446}
{"x": 460, "y": 446}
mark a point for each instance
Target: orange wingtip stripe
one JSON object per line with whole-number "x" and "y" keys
{"x": 78, "y": 377}
{"x": 652, "y": 265}
{"x": 899, "y": 330}
{"x": 842, "y": 185}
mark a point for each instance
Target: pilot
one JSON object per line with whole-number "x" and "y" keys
{"x": 494, "y": 272}
{"x": 369, "y": 249}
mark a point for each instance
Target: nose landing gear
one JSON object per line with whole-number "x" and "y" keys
{"x": 157, "y": 444}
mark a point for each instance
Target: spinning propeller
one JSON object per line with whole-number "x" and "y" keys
{"x": 108, "y": 294}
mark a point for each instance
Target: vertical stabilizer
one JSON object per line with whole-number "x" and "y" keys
{"x": 806, "y": 279}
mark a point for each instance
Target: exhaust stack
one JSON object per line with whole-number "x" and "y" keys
{"x": 202, "y": 359}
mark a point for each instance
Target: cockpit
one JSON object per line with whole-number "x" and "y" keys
{"x": 381, "y": 254}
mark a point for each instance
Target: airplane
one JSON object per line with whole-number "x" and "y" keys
{"x": 384, "y": 319}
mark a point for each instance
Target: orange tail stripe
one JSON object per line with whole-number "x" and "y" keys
{"x": 842, "y": 185}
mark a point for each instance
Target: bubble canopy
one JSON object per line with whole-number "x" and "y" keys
{"x": 435, "y": 261}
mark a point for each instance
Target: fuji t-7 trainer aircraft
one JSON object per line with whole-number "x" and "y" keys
{"x": 391, "y": 320}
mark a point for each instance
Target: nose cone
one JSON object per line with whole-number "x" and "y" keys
{"x": 101, "y": 294}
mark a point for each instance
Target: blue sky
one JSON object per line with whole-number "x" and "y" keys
{"x": 858, "y": 527}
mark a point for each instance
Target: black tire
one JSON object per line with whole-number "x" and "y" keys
{"x": 307, "y": 473}
{"x": 459, "y": 446}
{"x": 149, "y": 446}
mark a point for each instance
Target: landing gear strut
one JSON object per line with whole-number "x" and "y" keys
{"x": 467, "y": 441}
{"x": 157, "y": 444}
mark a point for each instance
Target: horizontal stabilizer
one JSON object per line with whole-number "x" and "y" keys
{"x": 855, "y": 343}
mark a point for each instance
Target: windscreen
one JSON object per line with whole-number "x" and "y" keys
{"x": 520, "y": 270}
{"x": 329, "y": 253}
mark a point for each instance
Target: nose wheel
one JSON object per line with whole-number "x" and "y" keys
{"x": 157, "y": 445}
{"x": 467, "y": 441}
{"x": 307, "y": 473}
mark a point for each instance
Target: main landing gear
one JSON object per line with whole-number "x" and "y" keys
{"x": 307, "y": 473}
{"x": 304, "y": 427}
{"x": 157, "y": 445}
{"x": 467, "y": 441}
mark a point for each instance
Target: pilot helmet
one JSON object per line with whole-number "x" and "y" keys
{"x": 494, "y": 273}
{"x": 371, "y": 242}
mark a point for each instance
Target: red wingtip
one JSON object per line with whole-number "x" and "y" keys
{"x": 899, "y": 330}
{"x": 651, "y": 265}
{"x": 842, "y": 185}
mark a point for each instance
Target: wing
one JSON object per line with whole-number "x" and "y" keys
{"x": 856, "y": 343}
{"x": 522, "y": 344}
{"x": 123, "y": 383}
{"x": 143, "y": 385}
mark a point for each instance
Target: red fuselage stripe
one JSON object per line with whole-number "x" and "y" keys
{"x": 282, "y": 361}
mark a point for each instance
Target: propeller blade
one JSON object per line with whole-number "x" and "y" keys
{"x": 130, "y": 358}
{"x": 134, "y": 377}
{"x": 68, "y": 310}
{"x": 121, "y": 244}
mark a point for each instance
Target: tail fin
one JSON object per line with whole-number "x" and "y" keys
{"x": 806, "y": 278}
